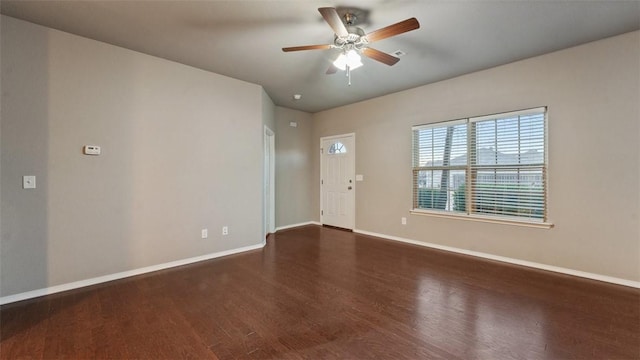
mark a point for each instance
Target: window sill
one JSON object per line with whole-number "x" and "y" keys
{"x": 486, "y": 219}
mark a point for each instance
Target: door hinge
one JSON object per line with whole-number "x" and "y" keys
{"x": 321, "y": 151}
{"x": 321, "y": 182}
{"x": 321, "y": 212}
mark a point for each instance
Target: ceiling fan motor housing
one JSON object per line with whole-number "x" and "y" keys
{"x": 356, "y": 39}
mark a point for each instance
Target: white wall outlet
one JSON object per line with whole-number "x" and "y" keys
{"x": 29, "y": 182}
{"x": 204, "y": 233}
{"x": 91, "y": 150}
{"x": 225, "y": 230}
{"x": 403, "y": 220}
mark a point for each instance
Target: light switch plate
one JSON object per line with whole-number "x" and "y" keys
{"x": 359, "y": 177}
{"x": 29, "y": 182}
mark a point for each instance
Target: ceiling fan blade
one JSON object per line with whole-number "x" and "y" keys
{"x": 332, "y": 18}
{"x": 395, "y": 29}
{"x": 331, "y": 70}
{"x": 306, "y": 47}
{"x": 380, "y": 56}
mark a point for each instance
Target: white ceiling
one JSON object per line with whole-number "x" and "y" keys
{"x": 243, "y": 39}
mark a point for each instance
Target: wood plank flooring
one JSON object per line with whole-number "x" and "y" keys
{"x": 320, "y": 293}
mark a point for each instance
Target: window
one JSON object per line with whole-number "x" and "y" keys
{"x": 489, "y": 166}
{"x": 337, "y": 148}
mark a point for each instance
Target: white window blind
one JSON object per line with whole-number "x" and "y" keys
{"x": 439, "y": 164}
{"x": 485, "y": 166}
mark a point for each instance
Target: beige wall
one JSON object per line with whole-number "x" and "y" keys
{"x": 181, "y": 151}
{"x": 294, "y": 152}
{"x": 592, "y": 93}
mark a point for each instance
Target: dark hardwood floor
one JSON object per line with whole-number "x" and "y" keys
{"x": 319, "y": 293}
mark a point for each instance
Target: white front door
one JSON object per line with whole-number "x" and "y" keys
{"x": 337, "y": 181}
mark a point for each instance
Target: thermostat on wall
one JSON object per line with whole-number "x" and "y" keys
{"x": 91, "y": 150}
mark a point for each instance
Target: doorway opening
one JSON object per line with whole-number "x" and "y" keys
{"x": 269, "y": 183}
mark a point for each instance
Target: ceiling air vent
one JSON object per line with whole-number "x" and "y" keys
{"x": 399, "y": 53}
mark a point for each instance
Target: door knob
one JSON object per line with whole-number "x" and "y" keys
{"x": 349, "y": 188}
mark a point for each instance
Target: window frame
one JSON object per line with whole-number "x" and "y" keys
{"x": 470, "y": 168}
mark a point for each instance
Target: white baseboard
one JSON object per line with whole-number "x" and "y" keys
{"x": 297, "y": 225}
{"x": 531, "y": 264}
{"x": 101, "y": 279}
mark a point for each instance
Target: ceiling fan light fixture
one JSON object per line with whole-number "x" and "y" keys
{"x": 341, "y": 62}
{"x": 351, "y": 59}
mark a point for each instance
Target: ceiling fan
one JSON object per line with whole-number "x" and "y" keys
{"x": 353, "y": 41}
